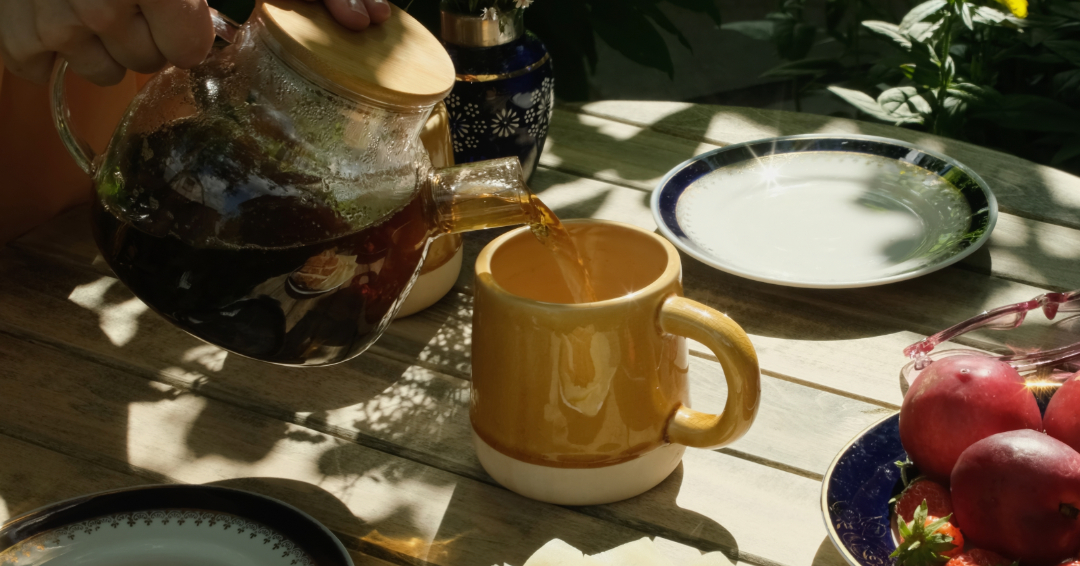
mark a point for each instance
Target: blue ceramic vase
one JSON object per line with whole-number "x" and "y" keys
{"x": 502, "y": 99}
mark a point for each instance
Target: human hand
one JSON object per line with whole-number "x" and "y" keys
{"x": 358, "y": 14}
{"x": 101, "y": 39}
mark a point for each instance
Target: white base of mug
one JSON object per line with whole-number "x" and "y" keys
{"x": 431, "y": 286}
{"x": 580, "y": 486}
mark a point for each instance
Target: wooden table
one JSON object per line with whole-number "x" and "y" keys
{"x": 98, "y": 393}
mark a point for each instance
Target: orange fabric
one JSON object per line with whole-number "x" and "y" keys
{"x": 38, "y": 179}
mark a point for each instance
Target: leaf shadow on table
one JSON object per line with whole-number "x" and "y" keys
{"x": 109, "y": 324}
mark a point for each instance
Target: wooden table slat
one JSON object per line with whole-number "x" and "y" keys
{"x": 425, "y": 413}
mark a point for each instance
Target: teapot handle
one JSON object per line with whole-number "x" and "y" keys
{"x": 78, "y": 148}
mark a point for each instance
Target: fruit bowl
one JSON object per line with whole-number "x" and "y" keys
{"x": 864, "y": 477}
{"x": 856, "y": 490}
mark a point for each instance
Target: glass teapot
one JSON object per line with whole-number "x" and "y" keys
{"x": 275, "y": 200}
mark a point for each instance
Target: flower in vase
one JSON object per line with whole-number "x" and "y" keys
{"x": 504, "y": 123}
{"x": 489, "y": 14}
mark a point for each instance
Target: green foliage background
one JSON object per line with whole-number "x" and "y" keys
{"x": 961, "y": 68}
{"x": 570, "y": 29}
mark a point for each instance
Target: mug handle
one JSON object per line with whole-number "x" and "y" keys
{"x": 727, "y": 340}
{"x": 81, "y": 151}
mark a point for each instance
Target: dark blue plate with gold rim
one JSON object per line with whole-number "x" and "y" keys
{"x": 856, "y": 490}
{"x": 170, "y": 524}
{"x": 825, "y": 211}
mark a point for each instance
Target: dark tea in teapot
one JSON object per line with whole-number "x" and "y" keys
{"x": 303, "y": 287}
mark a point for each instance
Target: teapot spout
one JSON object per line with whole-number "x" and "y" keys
{"x": 484, "y": 194}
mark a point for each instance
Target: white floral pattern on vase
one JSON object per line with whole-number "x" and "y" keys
{"x": 530, "y": 112}
{"x": 504, "y": 123}
{"x": 462, "y": 132}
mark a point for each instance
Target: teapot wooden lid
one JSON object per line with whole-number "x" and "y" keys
{"x": 398, "y": 62}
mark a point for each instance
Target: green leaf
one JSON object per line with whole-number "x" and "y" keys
{"x": 804, "y": 67}
{"x": 793, "y": 38}
{"x": 989, "y": 16}
{"x": 891, "y": 31}
{"x": 993, "y": 16}
{"x": 707, "y": 7}
{"x": 1067, "y": 83}
{"x": 628, "y": 31}
{"x": 971, "y": 93}
{"x": 965, "y": 14}
{"x": 923, "y": 31}
{"x": 1067, "y": 49}
{"x": 1032, "y": 113}
{"x": 904, "y": 102}
{"x": 922, "y": 545}
{"x": 754, "y": 29}
{"x": 661, "y": 20}
{"x": 863, "y": 102}
{"x": 835, "y": 14}
{"x": 925, "y": 70}
{"x": 1068, "y": 151}
{"x": 1067, "y": 9}
{"x": 921, "y": 12}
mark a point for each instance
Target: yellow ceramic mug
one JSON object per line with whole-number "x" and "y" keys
{"x": 580, "y": 404}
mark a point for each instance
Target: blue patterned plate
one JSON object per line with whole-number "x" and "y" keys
{"x": 170, "y": 524}
{"x": 825, "y": 211}
{"x": 856, "y": 491}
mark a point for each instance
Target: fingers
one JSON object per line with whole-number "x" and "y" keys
{"x": 61, "y": 31}
{"x": 181, "y": 29}
{"x": 23, "y": 53}
{"x": 379, "y": 10}
{"x": 359, "y": 14}
{"x": 101, "y": 38}
{"x": 134, "y": 47}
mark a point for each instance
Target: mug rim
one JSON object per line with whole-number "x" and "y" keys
{"x": 672, "y": 271}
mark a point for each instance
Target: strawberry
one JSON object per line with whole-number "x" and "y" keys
{"x": 979, "y": 557}
{"x": 927, "y": 540}
{"x": 936, "y": 496}
{"x": 948, "y": 529}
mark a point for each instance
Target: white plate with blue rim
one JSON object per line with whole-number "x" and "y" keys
{"x": 825, "y": 211}
{"x": 170, "y": 525}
